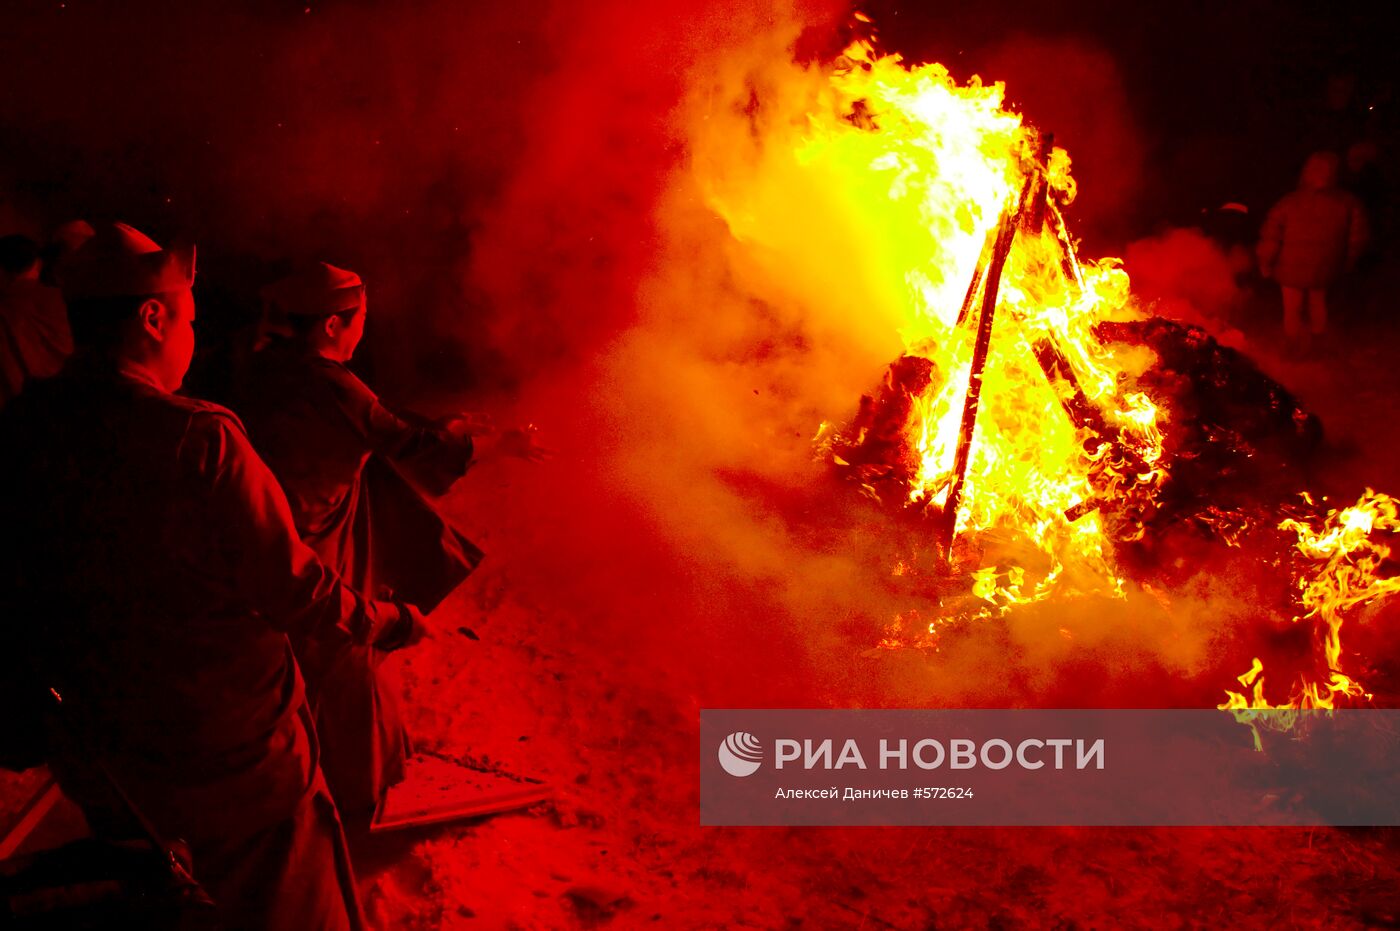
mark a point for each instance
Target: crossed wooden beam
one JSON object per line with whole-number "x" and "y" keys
{"x": 1031, "y": 212}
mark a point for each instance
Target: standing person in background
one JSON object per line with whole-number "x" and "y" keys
{"x": 352, "y": 470}
{"x": 34, "y": 336}
{"x": 66, "y": 239}
{"x": 1365, "y": 179}
{"x": 1309, "y": 239}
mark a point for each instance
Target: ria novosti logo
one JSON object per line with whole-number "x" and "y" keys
{"x": 740, "y": 754}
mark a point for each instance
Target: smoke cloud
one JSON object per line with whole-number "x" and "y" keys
{"x": 1183, "y": 275}
{"x": 516, "y": 185}
{"x": 690, "y": 427}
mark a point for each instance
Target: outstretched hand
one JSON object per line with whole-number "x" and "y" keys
{"x": 524, "y": 444}
{"x": 493, "y": 442}
{"x": 475, "y": 424}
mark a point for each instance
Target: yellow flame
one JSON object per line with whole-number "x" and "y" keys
{"x": 873, "y": 188}
{"x": 920, "y": 169}
{"x": 1348, "y": 552}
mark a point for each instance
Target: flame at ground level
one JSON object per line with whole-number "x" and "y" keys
{"x": 1346, "y": 557}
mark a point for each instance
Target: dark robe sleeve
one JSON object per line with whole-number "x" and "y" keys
{"x": 1271, "y": 236}
{"x": 12, "y": 373}
{"x": 430, "y": 454}
{"x": 34, "y": 337}
{"x": 271, "y": 566}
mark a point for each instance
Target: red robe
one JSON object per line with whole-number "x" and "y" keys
{"x": 34, "y": 336}
{"x": 342, "y": 455}
{"x": 153, "y": 573}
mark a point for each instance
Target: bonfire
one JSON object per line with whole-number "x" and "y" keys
{"x": 1044, "y": 432}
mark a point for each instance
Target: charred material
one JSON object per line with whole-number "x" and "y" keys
{"x": 1239, "y": 442}
{"x": 1239, "y": 450}
{"x": 1238, "y": 438}
{"x": 873, "y": 451}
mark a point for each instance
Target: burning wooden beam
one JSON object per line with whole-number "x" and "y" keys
{"x": 1011, "y": 220}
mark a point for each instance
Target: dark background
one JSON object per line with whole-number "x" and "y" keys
{"x": 1175, "y": 106}
{"x": 468, "y": 158}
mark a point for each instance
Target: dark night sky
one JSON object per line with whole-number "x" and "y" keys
{"x": 393, "y": 137}
{"x": 1226, "y": 98}
{"x": 1245, "y": 71}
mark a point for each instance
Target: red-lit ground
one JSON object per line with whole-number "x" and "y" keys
{"x": 602, "y": 699}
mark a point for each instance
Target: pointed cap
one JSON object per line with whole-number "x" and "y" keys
{"x": 316, "y": 290}
{"x": 118, "y": 260}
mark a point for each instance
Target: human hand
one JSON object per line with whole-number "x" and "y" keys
{"x": 410, "y": 630}
{"x": 523, "y": 444}
{"x": 472, "y": 424}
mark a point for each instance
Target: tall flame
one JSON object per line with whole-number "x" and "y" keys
{"x": 879, "y": 188}
{"x": 922, "y": 170}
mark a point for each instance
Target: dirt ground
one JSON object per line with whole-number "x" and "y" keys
{"x": 602, "y": 700}
{"x": 600, "y": 696}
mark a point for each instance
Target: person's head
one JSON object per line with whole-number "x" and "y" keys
{"x": 154, "y": 331}
{"x": 335, "y": 336}
{"x": 67, "y": 239}
{"x": 1320, "y": 171}
{"x": 1341, "y": 91}
{"x": 19, "y": 259}
{"x": 130, "y": 301}
{"x": 1362, "y": 155}
{"x": 322, "y": 306}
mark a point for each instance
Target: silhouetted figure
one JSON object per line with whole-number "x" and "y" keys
{"x": 342, "y": 457}
{"x": 151, "y": 573}
{"x": 1365, "y": 179}
{"x": 34, "y": 337}
{"x": 1308, "y": 240}
{"x": 1341, "y": 117}
{"x": 66, "y": 239}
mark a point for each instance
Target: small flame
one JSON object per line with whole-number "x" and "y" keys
{"x": 1348, "y": 555}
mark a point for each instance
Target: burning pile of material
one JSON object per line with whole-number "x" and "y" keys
{"x": 1039, "y": 427}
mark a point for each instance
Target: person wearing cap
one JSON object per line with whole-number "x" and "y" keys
{"x": 359, "y": 477}
{"x": 150, "y": 575}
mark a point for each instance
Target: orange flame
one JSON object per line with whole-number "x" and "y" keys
{"x": 1348, "y": 553}
{"x": 921, "y": 169}
{"x": 877, "y": 188}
